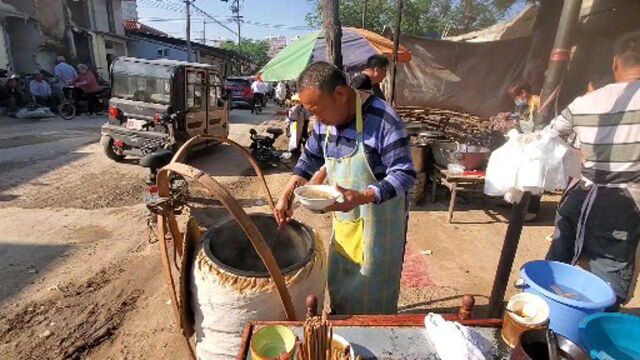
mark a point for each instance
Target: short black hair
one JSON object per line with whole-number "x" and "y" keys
{"x": 517, "y": 86}
{"x": 377, "y": 62}
{"x": 627, "y": 48}
{"x": 323, "y": 76}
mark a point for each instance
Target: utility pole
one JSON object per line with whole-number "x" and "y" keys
{"x": 235, "y": 9}
{"x": 188, "y": 30}
{"x": 396, "y": 45}
{"x": 364, "y": 12}
{"x": 204, "y": 31}
{"x": 332, "y": 31}
{"x": 560, "y": 56}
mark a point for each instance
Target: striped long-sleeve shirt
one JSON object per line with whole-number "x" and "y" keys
{"x": 607, "y": 124}
{"x": 386, "y": 147}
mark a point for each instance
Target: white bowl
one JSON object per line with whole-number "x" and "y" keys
{"x": 303, "y": 194}
{"x": 342, "y": 341}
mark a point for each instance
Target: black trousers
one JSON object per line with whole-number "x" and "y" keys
{"x": 92, "y": 102}
{"x": 611, "y": 236}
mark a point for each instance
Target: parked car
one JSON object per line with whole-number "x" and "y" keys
{"x": 240, "y": 92}
{"x": 160, "y": 104}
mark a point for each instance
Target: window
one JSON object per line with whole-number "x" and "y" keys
{"x": 163, "y": 52}
{"x": 215, "y": 91}
{"x": 196, "y": 87}
{"x": 142, "y": 82}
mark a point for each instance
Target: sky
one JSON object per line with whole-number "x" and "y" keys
{"x": 284, "y": 13}
{"x": 289, "y": 13}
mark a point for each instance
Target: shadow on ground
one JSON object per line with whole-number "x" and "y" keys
{"x": 22, "y": 265}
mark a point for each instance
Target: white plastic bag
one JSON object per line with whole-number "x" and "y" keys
{"x": 454, "y": 341}
{"x": 502, "y": 169}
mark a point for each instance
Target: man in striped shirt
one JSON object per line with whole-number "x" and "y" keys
{"x": 361, "y": 142}
{"x": 598, "y": 220}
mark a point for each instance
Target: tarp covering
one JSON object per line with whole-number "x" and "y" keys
{"x": 469, "y": 77}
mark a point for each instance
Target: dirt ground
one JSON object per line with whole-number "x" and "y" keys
{"x": 80, "y": 278}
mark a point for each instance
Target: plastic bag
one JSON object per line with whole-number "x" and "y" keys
{"x": 535, "y": 162}
{"x": 502, "y": 169}
{"x": 454, "y": 341}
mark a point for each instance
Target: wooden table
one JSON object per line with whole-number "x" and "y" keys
{"x": 455, "y": 183}
{"x": 387, "y": 336}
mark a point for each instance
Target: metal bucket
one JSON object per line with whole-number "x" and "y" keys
{"x": 228, "y": 247}
{"x": 470, "y": 156}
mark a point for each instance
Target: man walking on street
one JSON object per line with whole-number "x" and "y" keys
{"x": 370, "y": 79}
{"x": 361, "y": 142}
{"x": 598, "y": 220}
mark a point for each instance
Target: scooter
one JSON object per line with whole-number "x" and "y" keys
{"x": 262, "y": 148}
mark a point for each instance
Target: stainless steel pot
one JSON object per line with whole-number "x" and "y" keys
{"x": 472, "y": 157}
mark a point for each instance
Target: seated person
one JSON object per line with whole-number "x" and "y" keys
{"x": 41, "y": 92}
{"x": 88, "y": 83}
{"x": 12, "y": 97}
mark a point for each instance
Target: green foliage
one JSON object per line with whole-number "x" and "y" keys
{"x": 255, "y": 50}
{"x": 419, "y": 17}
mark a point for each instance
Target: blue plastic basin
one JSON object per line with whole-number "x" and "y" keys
{"x": 611, "y": 336}
{"x": 590, "y": 294}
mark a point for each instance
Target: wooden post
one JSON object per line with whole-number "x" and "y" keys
{"x": 558, "y": 61}
{"x": 396, "y": 45}
{"x": 508, "y": 254}
{"x": 466, "y": 309}
{"x": 332, "y": 31}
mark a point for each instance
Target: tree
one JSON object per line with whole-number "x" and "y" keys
{"x": 255, "y": 50}
{"x": 420, "y": 17}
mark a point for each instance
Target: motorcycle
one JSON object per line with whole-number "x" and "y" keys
{"x": 262, "y": 148}
{"x": 155, "y": 159}
{"x": 258, "y": 103}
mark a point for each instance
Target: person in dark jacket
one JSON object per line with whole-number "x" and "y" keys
{"x": 370, "y": 79}
{"x": 12, "y": 96}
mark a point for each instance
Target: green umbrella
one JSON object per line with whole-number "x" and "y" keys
{"x": 357, "y": 46}
{"x": 291, "y": 60}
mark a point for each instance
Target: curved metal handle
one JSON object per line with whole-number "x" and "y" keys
{"x": 181, "y": 155}
{"x": 229, "y": 202}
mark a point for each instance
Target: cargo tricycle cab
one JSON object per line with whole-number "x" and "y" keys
{"x": 160, "y": 104}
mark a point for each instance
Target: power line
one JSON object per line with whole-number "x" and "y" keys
{"x": 220, "y": 20}
{"x": 174, "y": 7}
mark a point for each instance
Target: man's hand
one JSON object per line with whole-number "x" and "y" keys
{"x": 283, "y": 211}
{"x": 353, "y": 199}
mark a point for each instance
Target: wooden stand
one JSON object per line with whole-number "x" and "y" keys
{"x": 455, "y": 183}
{"x": 370, "y": 331}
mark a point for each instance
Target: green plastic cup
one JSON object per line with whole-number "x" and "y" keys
{"x": 271, "y": 341}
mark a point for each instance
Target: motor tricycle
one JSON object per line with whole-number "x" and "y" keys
{"x": 144, "y": 92}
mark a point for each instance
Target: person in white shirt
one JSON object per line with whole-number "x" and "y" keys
{"x": 598, "y": 219}
{"x": 259, "y": 89}
{"x": 281, "y": 93}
